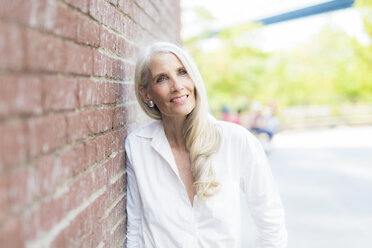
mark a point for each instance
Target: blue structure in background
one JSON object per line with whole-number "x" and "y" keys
{"x": 308, "y": 11}
{"x": 299, "y": 13}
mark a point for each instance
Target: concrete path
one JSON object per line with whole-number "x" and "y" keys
{"x": 325, "y": 179}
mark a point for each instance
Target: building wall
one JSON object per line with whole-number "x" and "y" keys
{"x": 66, "y": 105}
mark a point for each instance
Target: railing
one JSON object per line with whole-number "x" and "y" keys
{"x": 321, "y": 116}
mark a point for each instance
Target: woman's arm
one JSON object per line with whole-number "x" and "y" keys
{"x": 263, "y": 197}
{"x": 134, "y": 205}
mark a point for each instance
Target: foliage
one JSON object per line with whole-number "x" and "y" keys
{"x": 332, "y": 68}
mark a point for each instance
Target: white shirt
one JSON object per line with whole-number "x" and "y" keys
{"x": 159, "y": 210}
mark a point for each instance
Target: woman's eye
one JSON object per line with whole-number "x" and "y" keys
{"x": 183, "y": 72}
{"x": 160, "y": 79}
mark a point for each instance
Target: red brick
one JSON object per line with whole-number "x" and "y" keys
{"x": 108, "y": 40}
{"x": 81, "y": 224}
{"x": 127, "y": 50}
{"x": 126, "y": 93}
{"x": 12, "y": 233}
{"x": 104, "y": 143}
{"x": 17, "y": 191}
{"x": 118, "y": 163}
{"x": 126, "y": 6}
{"x": 94, "y": 238}
{"x": 92, "y": 119}
{"x": 92, "y": 93}
{"x": 106, "y": 13}
{"x": 50, "y": 212}
{"x": 122, "y": 70}
{"x": 88, "y": 31}
{"x": 17, "y": 10}
{"x": 144, "y": 20}
{"x": 53, "y": 17}
{"x": 118, "y": 142}
{"x": 99, "y": 120}
{"x": 109, "y": 143}
{"x": 117, "y": 188}
{"x": 90, "y": 148}
{"x": 77, "y": 126}
{"x": 127, "y": 113}
{"x": 47, "y": 174}
{"x": 116, "y": 213}
{"x": 54, "y": 170}
{"x": 40, "y": 219}
{"x": 149, "y": 9}
{"x": 107, "y": 116}
{"x": 73, "y": 161}
{"x": 109, "y": 92}
{"x": 129, "y": 30}
{"x": 87, "y": 92}
{"x": 13, "y": 144}
{"x": 80, "y": 4}
{"x": 44, "y": 52}
{"x": 85, "y": 120}
{"x": 59, "y": 93}
{"x": 46, "y": 133}
{"x": 101, "y": 64}
{"x": 118, "y": 237}
{"x": 20, "y": 95}
{"x": 11, "y": 47}
{"x": 102, "y": 230}
{"x": 119, "y": 116}
{"x": 121, "y": 134}
{"x": 79, "y": 59}
{"x": 4, "y": 200}
{"x": 102, "y": 149}
{"x": 97, "y": 9}
{"x": 41, "y": 14}
{"x": 63, "y": 22}
{"x": 116, "y": 20}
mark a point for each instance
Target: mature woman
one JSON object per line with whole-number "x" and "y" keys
{"x": 185, "y": 170}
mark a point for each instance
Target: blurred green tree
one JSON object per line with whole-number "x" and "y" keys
{"x": 332, "y": 68}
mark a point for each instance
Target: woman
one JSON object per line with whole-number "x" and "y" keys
{"x": 185, "y": 170}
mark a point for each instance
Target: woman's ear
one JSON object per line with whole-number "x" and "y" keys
{"x": 144, "y": 94}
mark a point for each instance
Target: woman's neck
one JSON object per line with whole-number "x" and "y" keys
{"x": 173, "y": 128}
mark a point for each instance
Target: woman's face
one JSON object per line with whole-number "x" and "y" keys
{"x": 170, "y": 86}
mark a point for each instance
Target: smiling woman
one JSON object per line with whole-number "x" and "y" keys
{"x": 170, "y": 87}
{"x": 185, "y": 171}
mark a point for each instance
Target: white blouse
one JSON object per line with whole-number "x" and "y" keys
{"x": 159, "y": 210}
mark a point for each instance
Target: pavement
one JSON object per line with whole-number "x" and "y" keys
{"x": 325, "y": 180}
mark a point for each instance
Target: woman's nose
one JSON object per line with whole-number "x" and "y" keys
{"x": 176, "y": 85}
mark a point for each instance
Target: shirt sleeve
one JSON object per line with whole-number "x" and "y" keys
{"x": 134, "y": 205}
{"x": 263, "y": 196}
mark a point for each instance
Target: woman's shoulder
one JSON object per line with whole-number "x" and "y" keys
{"x": 231, "y": 129}
{"x": 236, "y": 133}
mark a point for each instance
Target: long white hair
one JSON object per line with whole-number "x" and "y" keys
{"x": 201, "y": 136}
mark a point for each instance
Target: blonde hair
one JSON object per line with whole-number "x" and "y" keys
{"x": 201, "y": 136}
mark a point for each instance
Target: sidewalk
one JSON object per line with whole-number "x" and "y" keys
{"x": 325, "y": 179}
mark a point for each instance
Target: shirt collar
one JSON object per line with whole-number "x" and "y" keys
{"x": 155, "y": 132}
{"x": 151, "y": 130}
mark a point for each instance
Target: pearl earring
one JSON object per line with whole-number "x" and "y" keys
{"x": 151, "y": 104}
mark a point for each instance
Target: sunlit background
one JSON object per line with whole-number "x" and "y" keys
{"x": 318, "y": 60}
{"x": 313, "y": 74}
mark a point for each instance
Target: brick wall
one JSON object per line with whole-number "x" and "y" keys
{"x": 66, "y": 105}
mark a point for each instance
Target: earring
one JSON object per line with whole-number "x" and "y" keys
{"x": 151, "y": 104}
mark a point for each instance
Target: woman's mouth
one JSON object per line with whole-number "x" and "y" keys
{"x": 178, "y": 99}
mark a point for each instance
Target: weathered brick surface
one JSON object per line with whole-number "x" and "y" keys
{"x": 15, "y": 97}
{"x": 67, "y": 103}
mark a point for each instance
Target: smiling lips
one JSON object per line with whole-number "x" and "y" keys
{"x": 179, "y": 99}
